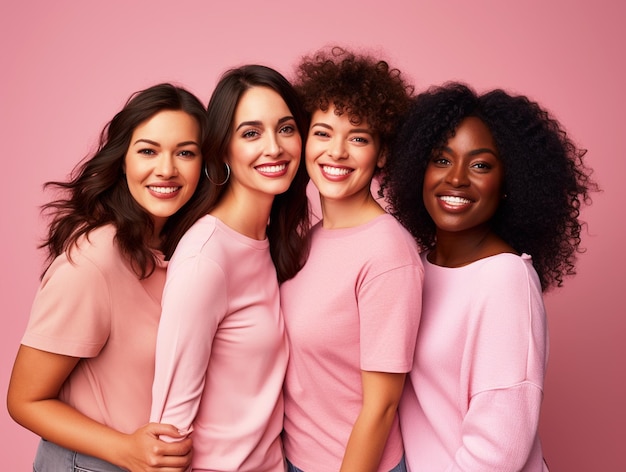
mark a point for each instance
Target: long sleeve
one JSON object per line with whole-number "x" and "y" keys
{"x": 194, "y": 302}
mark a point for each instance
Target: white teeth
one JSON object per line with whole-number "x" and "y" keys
{"x": 454, "y": 200}
{"x": 335, "y": 170}
{"x": 272, "y": 169}
{"x": 164, "y": 189}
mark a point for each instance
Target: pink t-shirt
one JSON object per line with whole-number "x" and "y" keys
{"x": 222, "y": 351}
{"x": 476, "y": 386}
{"x": 354, "y": 306}
{"x": 96, "y": 308}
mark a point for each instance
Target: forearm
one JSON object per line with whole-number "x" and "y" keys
{"x": 60, "y": 423}
{"x": 367, "y": 441}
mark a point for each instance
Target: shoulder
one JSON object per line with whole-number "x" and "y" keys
{"x": 504, "y": 269}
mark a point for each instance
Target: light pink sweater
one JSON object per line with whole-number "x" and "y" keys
{"x": 221, "y": 350}
{"x": 476, "y": 386}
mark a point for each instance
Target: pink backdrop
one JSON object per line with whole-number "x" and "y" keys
{"x": 68, "y": 66}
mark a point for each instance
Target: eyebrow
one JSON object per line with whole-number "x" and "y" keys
{"x": 260, "y": 123}
{"x": 154, "y": 143}
{"x": 474, "y": 152}
{"x": 352, "y": 131}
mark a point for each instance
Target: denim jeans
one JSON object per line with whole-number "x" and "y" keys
{"x": 401, "y": 467}
{"x": 53, "y": 458}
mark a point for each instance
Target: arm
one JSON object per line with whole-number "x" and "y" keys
{"x": 381, "y": 394}
{"x": 499, "y": 429}
{"x": 505, "y": 362}
{"x": 194, "y": 302}
{"x": 33, "y": 402}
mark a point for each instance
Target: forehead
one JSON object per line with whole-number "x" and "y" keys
{"x": 472, "y": 132}
{"x": 330, "y": 116}
{"x": 260, "y": 100}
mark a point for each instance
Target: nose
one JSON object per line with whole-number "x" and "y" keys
{"x": 457, "y": 176}
{"x": 272, "y": 145}
{"x": 337, "y": 149}
{"x": 165, "y": 166}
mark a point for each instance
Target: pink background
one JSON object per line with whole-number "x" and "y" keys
{"x": 67, "y": 67}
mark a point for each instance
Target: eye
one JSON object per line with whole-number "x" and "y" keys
{"x": 321, "y": 134}
{"x": 440, "y": 161}
{"x": 251, "y": 133}
{"x": 360, "y": 140}
{"x": 187, "y": 153}
{"x": 287, "y": 129}
{"x": 146, "y": 152}
{"x": 482, "y": 166}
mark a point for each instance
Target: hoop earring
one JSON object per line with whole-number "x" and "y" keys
{"x": 206, "y": 172}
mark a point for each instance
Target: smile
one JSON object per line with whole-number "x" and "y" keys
{"x": 271, "y": 169}
{"x": 164, "y": 190}
{"x": 336, "y": 170}
{"x": 454, "y": 201}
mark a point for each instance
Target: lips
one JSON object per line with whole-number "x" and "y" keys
{"x": 269, "y": 169}
{"x": 454, "y": 201}
{"x": 336, "y": 171}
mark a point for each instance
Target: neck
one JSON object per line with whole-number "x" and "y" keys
{"x": 457, "y": 249}
{"x": 349, "y": 213}
{"x": 245, "y": 214}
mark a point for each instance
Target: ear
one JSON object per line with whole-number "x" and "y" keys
{"x": 382, "y": 159}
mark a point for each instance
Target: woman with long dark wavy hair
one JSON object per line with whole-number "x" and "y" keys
{"x": 491, "y": 187}
{"x": 222, "y": 349}
{"x": 83, "y": 375}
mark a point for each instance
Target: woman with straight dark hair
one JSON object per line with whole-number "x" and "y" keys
{"x": 221, "y": 350}
{"x": 83, "y": 375}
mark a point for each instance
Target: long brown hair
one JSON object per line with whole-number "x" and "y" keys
{"x": 97, "y": 192}
{"x": 288, "y": 226}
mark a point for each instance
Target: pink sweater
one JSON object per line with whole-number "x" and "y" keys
{"x": 476, "y": 385}
{"x": 354, "y": 306}
{"x": 96, "y": 308}
{"x": 221, "y": 350}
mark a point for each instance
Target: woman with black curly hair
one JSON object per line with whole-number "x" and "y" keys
{"x": 483, "y": 182}
{"x": 352, "y": 312}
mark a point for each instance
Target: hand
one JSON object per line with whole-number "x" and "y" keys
{"x": 145, "y": 452}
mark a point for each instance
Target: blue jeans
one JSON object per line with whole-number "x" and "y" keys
{"x": 53, "y": 458}
{"x": 401, "y": 467}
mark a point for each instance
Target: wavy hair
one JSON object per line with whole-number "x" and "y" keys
{"x": 97, "y": 193}
{"x": 363, "y": 87}
{"x": 287, "y": 230}
{"x": 545, "y": 178}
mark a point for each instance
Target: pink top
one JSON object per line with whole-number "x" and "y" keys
{"x": 221, "y": 350}
{"x": 96, "y": 308}
{"x": 354, "y": 306}
{"x": 476, "y": 385}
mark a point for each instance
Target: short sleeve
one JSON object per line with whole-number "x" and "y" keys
{"x": 71, "y": 313}
{"x": 390, "y": 306}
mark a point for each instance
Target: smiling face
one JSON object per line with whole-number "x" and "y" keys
{"x": 341, "y": 157}
{"x": 163, "y": 163}
{"x": 463, "y": 185}
{"x": 265, "y": 147}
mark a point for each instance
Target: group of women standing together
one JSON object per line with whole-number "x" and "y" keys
{"x": 195, "y": 315}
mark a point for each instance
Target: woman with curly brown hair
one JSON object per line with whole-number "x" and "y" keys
{"x": 352, "y": 312}
{"x": 491, "y": 187}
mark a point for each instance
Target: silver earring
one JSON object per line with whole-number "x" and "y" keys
{"x": 206, "y": 172}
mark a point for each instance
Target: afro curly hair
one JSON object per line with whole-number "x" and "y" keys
{"x": 359, "y": 85}
{"x": 545, "y": 178}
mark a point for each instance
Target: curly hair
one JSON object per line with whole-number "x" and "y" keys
{"x": 97, "y": 192}
{"x": 363, "y": 87}
{"x": 545, "y": 178}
